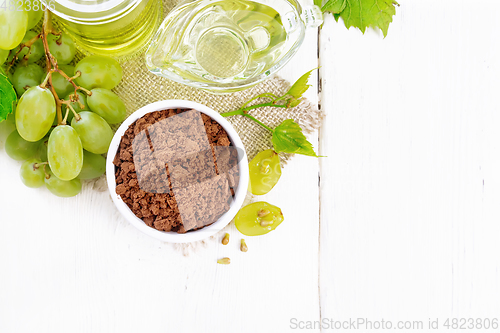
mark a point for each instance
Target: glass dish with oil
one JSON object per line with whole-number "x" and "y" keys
{"x": 116, "y": 28}
{"x": 228, "y": 45}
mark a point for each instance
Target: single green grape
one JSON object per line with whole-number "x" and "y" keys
{"x": 94, "y": 166}
{"x": 26, "y": 77}
{"x": 98, "y": 72}
{"x": 35, "y": 113}
{"x": 34, "y": 53}
{"x": 108, "y": 105}
{"x": 13, "y": 27}
{"x": 82, "y": 98}
{"x": 4, "y": 54}
{"x": 18, "y": 148}
{"x": 65, "y": 152}
{"x": 32, "y": 174}
{"x": 258, "y": 218}
{"x": 62, "y": 48}
{"x": 59, "y": 82}
{"x": 34, "y": 10}
{"x": 95, "y": 133}
{"x": 62, "y": 188}
{"x": 265, "y": 171}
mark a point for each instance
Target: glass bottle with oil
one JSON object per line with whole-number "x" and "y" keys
{"x": 228, "y": 45}
{"x": 117, "y": 28}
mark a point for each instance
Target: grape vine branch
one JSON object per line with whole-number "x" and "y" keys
{"x": 52, "y": 67}
{"x": 288, "y": 136}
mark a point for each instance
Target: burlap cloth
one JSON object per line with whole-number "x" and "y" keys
{"x": 139, "y": 87}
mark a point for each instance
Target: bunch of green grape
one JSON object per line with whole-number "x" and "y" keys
{"x": 260, "y": 217}
{"x": 57, "y": 152}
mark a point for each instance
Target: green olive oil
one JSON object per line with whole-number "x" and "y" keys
{"x": 118, "y": 28}
{"x": 221, "y": 41}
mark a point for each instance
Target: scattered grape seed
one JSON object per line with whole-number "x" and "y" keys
{"x": 243, "y": 247}
{"x": 249, "y": 223}
{"x": 225, "y": 240}
{"x": 264, "y": 223}
{"x": 263, "y": 212}
{"x": 224, "y": 261}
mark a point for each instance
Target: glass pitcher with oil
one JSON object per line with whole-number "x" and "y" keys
{"x": 117, "y": 28}
{"x": 228, "y": 45}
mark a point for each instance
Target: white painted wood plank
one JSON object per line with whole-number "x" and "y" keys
{"x": 74, "y": 265}
{"x": 410, "y": 189}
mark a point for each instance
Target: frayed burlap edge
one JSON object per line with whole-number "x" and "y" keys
{"x": 139, "y": 87}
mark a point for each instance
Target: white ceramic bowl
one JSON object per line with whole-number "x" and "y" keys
{"x": 174, "y": 237}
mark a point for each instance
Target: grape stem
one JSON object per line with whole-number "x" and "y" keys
{"x": 47, "y": 78}
{"x": 51, "y": 62}
{"x": 73, "y": 99}
{"x": 38, "y": 165}
{"x": 77, "y": 75}
{"x": 28, "y": 45}
{"x": 88, "y": 92}
{"x": 53, "y": 67}
{"x": 70, "y": 107}
{"x": 243, "y": 111}
{"x": 47, "y": 176}
{"x": 66, "y": 115}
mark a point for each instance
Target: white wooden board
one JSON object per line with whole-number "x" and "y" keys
{"x": 410, "y": 214}
{"x": 405, "y": 225}
{"x": 74, "y": 265}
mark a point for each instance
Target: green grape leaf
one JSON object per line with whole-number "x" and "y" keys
{"x": 294, "y": 102}
{"x": 364, "y": 13}
{"x": 334, "y": 6}
{"x": 300, "y": 86}
{"x": 7, "y": 97}
{"x": 288, "y": 138}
